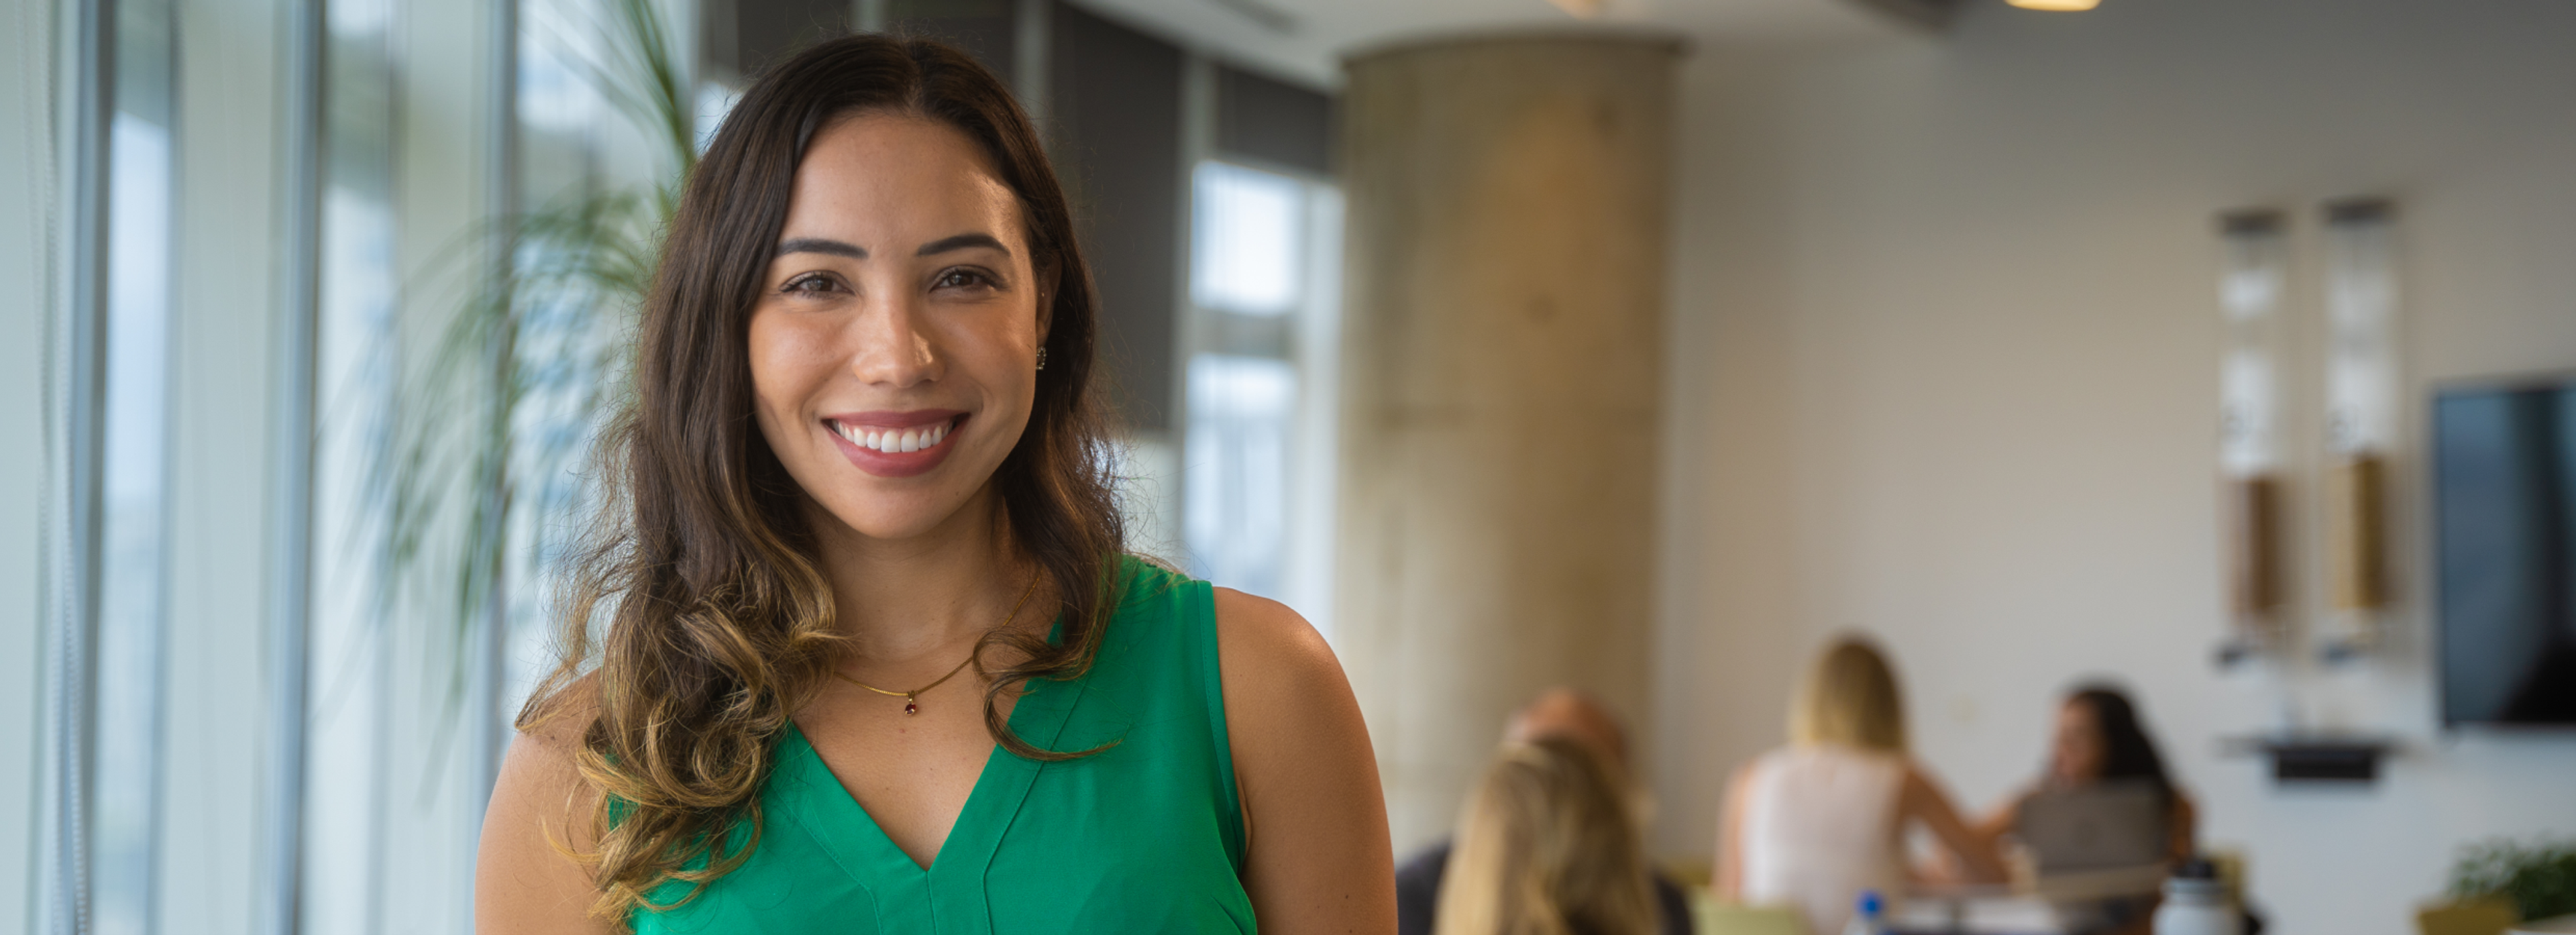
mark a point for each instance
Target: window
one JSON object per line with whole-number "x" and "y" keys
{"x": 347, "y": 657}
{"x": 1243, "y": 412}
{"x": 1248, "y": 241}
{"x": 1257, "y": 453}
{"x": 133, "y": 429}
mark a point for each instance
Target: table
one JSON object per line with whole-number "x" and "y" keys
{"x": 2016, "y": 909}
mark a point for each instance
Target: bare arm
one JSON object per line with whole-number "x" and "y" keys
{"x": 1922, "y": 801}
{"x": 1730, "y": 838}
{"x": 522, "y": 881}
{"x": 1314, "y": 815}
{"x": 1999, "y": 822}
{"x": 2185, "y": 821}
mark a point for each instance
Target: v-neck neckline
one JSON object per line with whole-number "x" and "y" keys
{"x": 845, "y": 828}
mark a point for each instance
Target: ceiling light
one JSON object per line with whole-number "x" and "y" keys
{"x": 1581, "y": 9}
{"x": 2061, "y": 5}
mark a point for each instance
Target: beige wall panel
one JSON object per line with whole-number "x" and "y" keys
{"x": 1502, "y": 391}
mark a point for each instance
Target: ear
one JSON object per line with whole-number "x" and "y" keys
{"x": 1048, "y": 279}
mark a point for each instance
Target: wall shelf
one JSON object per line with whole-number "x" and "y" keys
{"x": 2332, "y": 758}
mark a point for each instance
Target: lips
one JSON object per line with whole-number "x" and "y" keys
{"x": 895, "y": 444}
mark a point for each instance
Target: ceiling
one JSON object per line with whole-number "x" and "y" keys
{"x": 1306, "y": 39}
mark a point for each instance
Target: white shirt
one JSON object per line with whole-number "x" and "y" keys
{"x": 1820, "y": 826}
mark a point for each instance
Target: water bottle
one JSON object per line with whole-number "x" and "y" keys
{"x": 2196, "y": 903}
{"x": 1868, "y": 916}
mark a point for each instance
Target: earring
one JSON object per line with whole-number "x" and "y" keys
{"x": 1041, "y": 357}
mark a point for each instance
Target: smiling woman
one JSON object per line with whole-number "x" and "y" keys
{"x": 863, "y": 465}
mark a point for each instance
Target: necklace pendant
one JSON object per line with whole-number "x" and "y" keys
{"x": 911, "y": 708}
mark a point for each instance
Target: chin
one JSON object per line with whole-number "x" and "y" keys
{"x": 896, "y": 516}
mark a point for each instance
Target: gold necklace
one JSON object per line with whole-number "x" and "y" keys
{"x": 911, "y": 699}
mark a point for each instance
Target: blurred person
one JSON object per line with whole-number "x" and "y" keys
{"x": 1815, "y": 824}
{"x": 1556, "y": 714}
{"x": 1547, "y": 845}
{"x": 2103, "y": 801}
{"x": 874, "y": 650}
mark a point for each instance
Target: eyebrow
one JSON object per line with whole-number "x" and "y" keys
{"x": 823, "y": 245}
{"x": 961, "y": 242}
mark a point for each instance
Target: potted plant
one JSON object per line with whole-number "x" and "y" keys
{"x": 2503, "y": 884}
{"x": 481, "y": 478}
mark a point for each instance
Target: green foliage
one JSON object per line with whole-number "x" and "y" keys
{"x": 481, "y": 465}
{"x": 2539, "y": 877}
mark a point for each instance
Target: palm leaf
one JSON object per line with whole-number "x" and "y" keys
{"x": 486, "y": 442}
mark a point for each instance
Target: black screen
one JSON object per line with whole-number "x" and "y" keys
{"x": 2504, "y": 466}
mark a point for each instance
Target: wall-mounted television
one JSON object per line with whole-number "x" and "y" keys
{"x": 2504, "y": 516}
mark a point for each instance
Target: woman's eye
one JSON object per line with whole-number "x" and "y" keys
{"x": 962, "y": 279}
{"x": 810, "y": 285}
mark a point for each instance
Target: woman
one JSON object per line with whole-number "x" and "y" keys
{"x": 2101, "y": 761}
{"x": 864, "y": 537}
{"x": 1547, "y": 846}
{"x": 1815, "y": 825}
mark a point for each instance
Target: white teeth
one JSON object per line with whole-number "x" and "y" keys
{"x": 895, "y": 440}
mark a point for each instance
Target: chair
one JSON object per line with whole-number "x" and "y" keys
{"x": 1713, "y": 917}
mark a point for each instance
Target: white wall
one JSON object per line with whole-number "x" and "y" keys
{"x": 1944, "y": 370}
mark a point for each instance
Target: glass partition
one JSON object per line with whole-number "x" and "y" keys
{"x": 125, "y": 726}
{"x": 346, "y": 652}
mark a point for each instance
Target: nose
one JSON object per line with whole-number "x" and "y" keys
{"x": 889, "y": 345}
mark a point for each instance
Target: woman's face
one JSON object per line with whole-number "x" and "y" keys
{"x": 2077, "y": 756}
{"x": 894, "y": 346}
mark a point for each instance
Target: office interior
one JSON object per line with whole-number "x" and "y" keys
{"x": 1638, "y": 346}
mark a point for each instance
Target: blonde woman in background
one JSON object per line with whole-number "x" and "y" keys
{"x": 1546, "y": 846}
{"x": 1560, "y": 713}
{"x": 1813, "y": 825}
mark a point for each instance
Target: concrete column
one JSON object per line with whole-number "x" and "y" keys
{"x": 1502, "y": 387}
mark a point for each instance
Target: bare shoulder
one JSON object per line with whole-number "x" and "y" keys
{"x": 1285, "y": 695}
{"x": 541, "y": 814}
{"x": 1318, "y": 858}
{"x": 559, "y": 721}
{"x": 1262, "y": 640}
{"x": 546, "y": 753}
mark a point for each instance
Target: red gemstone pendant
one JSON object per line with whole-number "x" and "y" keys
{"x": 910, "y": 708}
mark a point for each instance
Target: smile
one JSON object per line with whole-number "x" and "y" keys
{"x": 893, "y": 440}
{"x": 895, "y": 444}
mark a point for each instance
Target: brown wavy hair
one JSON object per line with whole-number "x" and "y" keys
{"x": 718, "y": 618}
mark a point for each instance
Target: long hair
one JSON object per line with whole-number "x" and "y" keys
{"x": 719, "y": 620}
{"x": 1547, "y": 846}
{"x": 2128, "y": 754}
{"x": 1850, "y": 697}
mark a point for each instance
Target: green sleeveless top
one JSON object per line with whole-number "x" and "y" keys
{"x": 1146, "y": 836}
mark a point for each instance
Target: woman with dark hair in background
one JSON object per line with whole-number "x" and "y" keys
{"x": 874, "y": 657}
{"x": 2105, "y": 803}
